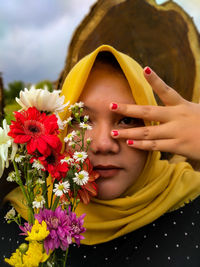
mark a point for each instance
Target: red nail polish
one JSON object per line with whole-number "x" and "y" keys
{"x": 130, "y": 142}
{"x": 115, "y": 133}
{"x": 147, "y": 70}
{"x": 114, "y": 106}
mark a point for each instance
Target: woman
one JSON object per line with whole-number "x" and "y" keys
{"x": 129, "y": 222}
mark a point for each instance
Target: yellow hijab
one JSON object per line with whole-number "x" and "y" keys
{"x": 161, "y": 187}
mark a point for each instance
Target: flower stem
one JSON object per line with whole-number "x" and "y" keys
{"x": 65, "y": 260}
{"x": 55, "y": 204}
{"x": 20, "y": 183}
{"x": 44, "y": 190}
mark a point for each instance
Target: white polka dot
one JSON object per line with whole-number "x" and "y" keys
{"x": 181, "y": 212}
{"x": 145, "y": 236}
{"x": 187, "y": 257}
{"x": 174, "y": 222}
{"x": 17, "y": 241}
{"x": 10, "y": 239}
{"x": 74, "y": 244}
{"x": 2, "y": 238}
{"x": 197, "y": 211}
{"x": 165, "y": 234}
{"x": 156, "y": 246}
{"x": 186, "y": 233}
{"x": 169, "y": 258}
{"x": 84, "y": 256}
{"x": 94, "y": 247}
{"x": 148, "y": 258}
{"x": 153, "y": 224}
{"x": 127, "y": 258}
{"x": 135, "y": 247}
{"x": 197, "y": 246}
{"x": 106, "y": 259}
{"x": 125, "y": 237}
{"x": 177, "y": 245}
{"x": 193, "y": 223}
{"x": 115, "y": 248}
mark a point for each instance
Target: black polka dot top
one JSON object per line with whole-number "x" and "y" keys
{"x": 173, "y": 240}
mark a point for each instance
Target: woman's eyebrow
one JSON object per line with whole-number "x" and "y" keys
{"x": 86, "y": 108}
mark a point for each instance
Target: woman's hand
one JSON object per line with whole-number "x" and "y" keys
{"x": 179, "y": 128}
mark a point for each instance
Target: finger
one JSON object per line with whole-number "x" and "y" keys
{"x": 150, "y": 113}
{"x": 162, "y": 131}
{"x": 165, "y": 145}
{"x": 167, "y": 95}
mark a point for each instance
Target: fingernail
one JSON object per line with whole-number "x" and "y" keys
{"x": 147, "y": 70}
{"x": 115, "y": 133}
{"x": 130, "y": 142}
{"x": 114, "y": 106}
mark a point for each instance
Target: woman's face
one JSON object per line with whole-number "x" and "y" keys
{"x": 119, "y": 166}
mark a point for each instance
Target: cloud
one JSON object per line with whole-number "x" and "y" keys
{"x": 34, "y": 46}
{"x": 34, "y": 35}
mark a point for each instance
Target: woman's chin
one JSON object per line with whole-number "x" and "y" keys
{"x": 108, "y": 189}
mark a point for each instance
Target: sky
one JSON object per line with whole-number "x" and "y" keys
{"x": 34, "y": 35}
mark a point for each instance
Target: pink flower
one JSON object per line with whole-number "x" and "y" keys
{"x": 77, "y": 228}
{"x": 58, "y": 224}
{"x": 27, "y": 227}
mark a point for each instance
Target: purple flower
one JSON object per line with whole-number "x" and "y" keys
{"x": 58, "y": 224}
{"x": 77, "y": 228}
{"x": 27, "y": 227}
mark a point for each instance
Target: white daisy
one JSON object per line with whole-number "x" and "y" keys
{"x": 89, "y": 140}
{"x": 68, "y": 160}
{"x": 76, "y": 105}
{"x": 19, "y": 158}
{"x": 11, "y": 177}
{"x": 40, "y": 181}
{"x": 5, "y": 143}
{"x": 37, "y": 165}
{"x": 86, "y": 118}
{"x": 10, "y": 214}
{"x": 38, "y": 202}
{"x": 70, "y": 136}
{"x": 42, "y": 99}
{"x": 61, "y": 188}
{"x": 68, "y": 120}
{"x": 80, "y": 156}
{"x": 85, "y": 126}
{"x": 81, "y": 178}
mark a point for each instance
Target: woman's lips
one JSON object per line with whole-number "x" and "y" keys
{"x": 106, "y": 171}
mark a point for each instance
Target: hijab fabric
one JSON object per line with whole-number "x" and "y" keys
{"x": 160, "y": 188}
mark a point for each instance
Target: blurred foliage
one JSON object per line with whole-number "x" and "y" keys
{"x": 9, "y": 109}
{"x": 12, "y": 91}
{"x": 44, "y": 83}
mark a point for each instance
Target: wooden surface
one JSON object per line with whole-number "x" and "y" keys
{"x": 1, "y": 98}
{"x": 161, "y": 36}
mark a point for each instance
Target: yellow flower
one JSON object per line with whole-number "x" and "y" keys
{"x": 38, "y": 232}
{"x": 15, "y": 259}
{"x": 34, "y": 255}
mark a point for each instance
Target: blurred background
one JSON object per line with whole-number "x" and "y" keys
{"x": 34, "y": 35}
{"x": 34, "y": 39}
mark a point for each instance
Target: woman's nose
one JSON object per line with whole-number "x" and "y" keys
{"x": 102, "y": 141}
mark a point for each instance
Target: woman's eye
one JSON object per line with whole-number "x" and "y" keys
{"x": 129, "y": 121}
{"x": 74, "y": 121}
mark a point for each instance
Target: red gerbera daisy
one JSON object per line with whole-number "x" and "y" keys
{"x": 53, "y": 165}
{"x": 36, "y": 129}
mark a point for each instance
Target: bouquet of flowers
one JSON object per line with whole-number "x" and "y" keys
{"x": 52, "y": 182}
